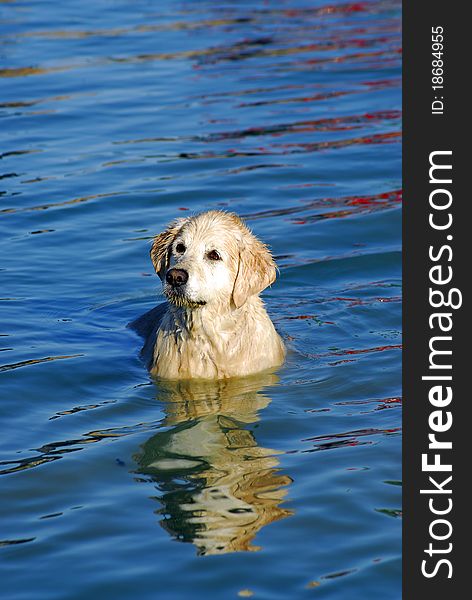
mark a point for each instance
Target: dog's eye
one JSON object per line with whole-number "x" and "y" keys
{"x": 180, "y": 248}
{"x": 213, "y": 255}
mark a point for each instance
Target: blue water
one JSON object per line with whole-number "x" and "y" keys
{"x": 116, "y": 117}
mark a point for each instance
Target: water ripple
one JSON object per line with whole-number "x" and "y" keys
{"x": 116, "y": 118}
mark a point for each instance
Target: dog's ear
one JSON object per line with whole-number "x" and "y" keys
{"x": 256, "y": 269}
{"x": 161, "y": 245}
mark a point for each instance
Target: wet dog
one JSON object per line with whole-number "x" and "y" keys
{"x": 214, "y": 324}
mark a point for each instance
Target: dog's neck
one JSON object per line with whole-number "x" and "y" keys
{"x": 215, "y": 341}
{"x": 211, "y": 320}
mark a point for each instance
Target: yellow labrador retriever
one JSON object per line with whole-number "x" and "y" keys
{"x": 214, "y": 324}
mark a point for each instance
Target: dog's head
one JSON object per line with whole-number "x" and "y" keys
{"x": 211, "y": 258}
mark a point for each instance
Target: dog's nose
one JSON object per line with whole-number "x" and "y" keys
{"x": 176, "y": 277}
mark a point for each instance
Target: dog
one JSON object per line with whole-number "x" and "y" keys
{"x": 214, "y": 324}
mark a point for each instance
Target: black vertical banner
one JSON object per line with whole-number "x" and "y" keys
{"x": 437, "y": 257}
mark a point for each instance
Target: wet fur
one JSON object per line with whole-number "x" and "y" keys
{"x": 215, "y": 326}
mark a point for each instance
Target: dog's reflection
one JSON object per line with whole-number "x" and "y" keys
{"x": 218, "y": 486}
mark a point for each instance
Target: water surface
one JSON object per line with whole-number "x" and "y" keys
{"x": 116, "y": 117}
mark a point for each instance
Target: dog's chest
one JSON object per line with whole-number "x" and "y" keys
{"x": 178, "y": 354}
{"x": 205, "y": 345}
